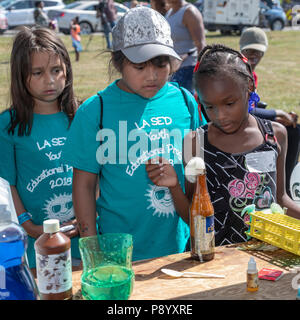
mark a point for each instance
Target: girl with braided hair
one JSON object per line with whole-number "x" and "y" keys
{"x": 244, "y": 155}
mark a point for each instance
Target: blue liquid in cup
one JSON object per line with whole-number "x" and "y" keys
{"x": 16, "y": 281}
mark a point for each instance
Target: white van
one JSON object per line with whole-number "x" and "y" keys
{"x": 230, "y": 15}
{"x": 236, "y": 15}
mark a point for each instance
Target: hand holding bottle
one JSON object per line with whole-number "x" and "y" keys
{"x": 161, "y": 172}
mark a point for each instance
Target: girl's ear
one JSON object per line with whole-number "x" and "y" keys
{"x": 251, "y": 85}
{"x": 200, "y": 108}
{"x": 117, "y": 66}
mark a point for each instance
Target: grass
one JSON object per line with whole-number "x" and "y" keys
{"x": 278, "y": 72}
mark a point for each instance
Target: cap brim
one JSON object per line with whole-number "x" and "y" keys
{"x": 145, "y": 52}
{"x": 255, "y": 46}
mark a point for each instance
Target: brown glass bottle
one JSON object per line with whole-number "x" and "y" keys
{"x": 202, "y": 222}
{"x": 53, "y": 263}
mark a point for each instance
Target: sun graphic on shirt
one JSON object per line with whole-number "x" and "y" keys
{"x": 160, "y": 200}
{"x": 59, "y": 207}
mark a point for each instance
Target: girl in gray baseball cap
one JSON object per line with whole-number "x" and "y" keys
{"x": 141, "y": 116}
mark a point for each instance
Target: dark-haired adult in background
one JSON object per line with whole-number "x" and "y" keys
{"x": 253, "y": 45}
{"x": 188, "y": 35}
{"x": 40, "y": 16}
{"x": 160, "y": 6}
{"x": 107, "y": 13}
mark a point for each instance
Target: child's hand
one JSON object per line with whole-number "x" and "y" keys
{"x": 74, "y": 232}
{"x": 294, "y": 117}
{"x": 287, "y": 119}
{"x": 33, "y": 230}
{"x": 161, "y": 172}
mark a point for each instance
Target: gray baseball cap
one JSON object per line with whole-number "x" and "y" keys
{"x": 143, "y": 34}
{"x": 254, "y": 38}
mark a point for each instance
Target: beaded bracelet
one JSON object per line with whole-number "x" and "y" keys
{"x": 23, "y": 217}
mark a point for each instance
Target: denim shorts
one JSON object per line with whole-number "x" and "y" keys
{"x": 76, "y": 45}
{"x": 184, "y": 77}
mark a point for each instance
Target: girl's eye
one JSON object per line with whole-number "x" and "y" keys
{"x": 57, "y": 70}
{"x": 163, "y": 65}
{"x": 36, "y": 73}
{"x": 139, "y": 67}
{"x": 230, "y": 103}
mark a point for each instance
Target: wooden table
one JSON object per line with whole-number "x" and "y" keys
{"x": 152, "y": 284}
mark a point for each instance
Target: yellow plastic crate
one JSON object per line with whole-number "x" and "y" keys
{"x": 277, "y": 229}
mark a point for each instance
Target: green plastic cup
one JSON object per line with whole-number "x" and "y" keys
{"x": 107, "y": 266}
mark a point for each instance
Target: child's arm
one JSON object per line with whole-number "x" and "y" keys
{"x": 282, "y": 198}
{"x": 32, "y": 229}
{"x": 84, "y": 201}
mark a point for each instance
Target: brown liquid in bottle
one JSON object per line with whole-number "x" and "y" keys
{"x": 202, "y": 223}
{"x": 53, "y": 263}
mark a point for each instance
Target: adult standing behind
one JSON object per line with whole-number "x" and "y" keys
{"x": 133, "y": 3}
{"x": 160, "y": 6}
{"x": 188, "y": 35}
{"x": 111, "y": 12}
{"x": 40, "y": 17}
{"x": 253, "y": 45}
{"x": 108, "y": 14}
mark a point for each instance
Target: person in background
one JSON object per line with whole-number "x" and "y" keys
{"x": 160, "y": 6}
{"x": 107, "y": 12}
{"x": 253, "y": 45}
{"x": 33, "y": 131}
{"x": 141, "y": 105}
{"x": 40, "y": 16}
{"x": 75, "y": 35}
{"x": 133, "y": 4}
{"x": 111, "y": 12}
{"x": 188, "y": 35}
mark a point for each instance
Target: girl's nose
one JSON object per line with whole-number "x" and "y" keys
{"x": 49, "y": 78}
{"x": 151, "y": 73}
{"x": 220, "y": 114}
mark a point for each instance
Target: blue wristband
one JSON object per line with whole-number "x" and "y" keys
{"x": 23, "y": 217}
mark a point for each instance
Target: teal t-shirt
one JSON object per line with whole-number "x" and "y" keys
{"x": 34, "y": 165}
{"x": 135, "y": 130}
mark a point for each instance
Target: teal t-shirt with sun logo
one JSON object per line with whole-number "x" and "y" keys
{"x": 135, "y": 129}
{"x": 34, "y": 165}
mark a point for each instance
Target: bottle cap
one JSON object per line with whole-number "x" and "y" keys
{"x": 252, "y": 265}
{"x": 194, "y": 167}
{"x": 51, "y": 226}
{"x": 5, "y": 215}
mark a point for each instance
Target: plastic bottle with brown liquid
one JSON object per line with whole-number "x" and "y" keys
{"x": 53, "y": 263}
{"x": 202, "y": 222}
{"x": 252, "y": 276}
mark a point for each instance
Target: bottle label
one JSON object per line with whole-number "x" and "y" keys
{"x": 204, "y": 234}
{"x": 252, "y": 280}
{"x": 54, "y": 272}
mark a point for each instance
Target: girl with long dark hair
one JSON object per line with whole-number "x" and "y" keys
{"x": 33, "y": 131}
